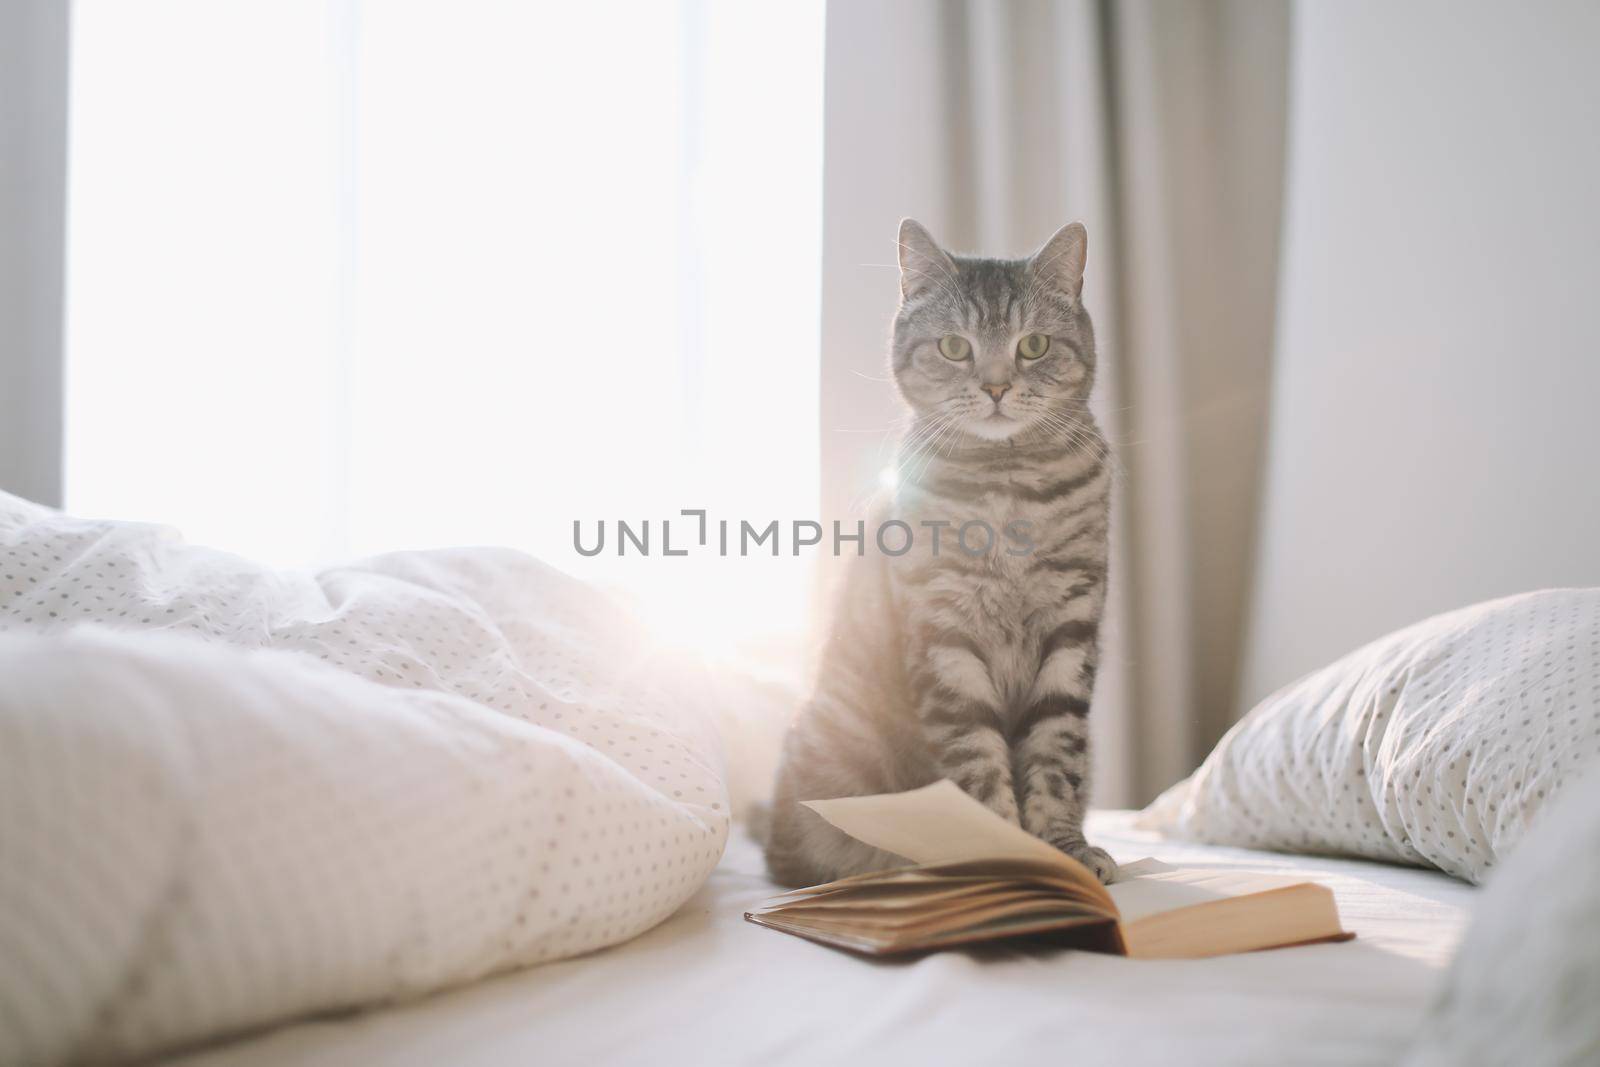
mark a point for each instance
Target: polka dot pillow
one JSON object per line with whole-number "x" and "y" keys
{"x": 1434, "y": 746}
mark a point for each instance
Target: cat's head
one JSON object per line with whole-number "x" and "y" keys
{"x": 994, "y": 347}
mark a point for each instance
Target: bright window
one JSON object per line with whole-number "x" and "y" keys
{"x": 347, "y": 277}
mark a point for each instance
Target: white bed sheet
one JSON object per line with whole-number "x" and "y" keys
{"x": 708, "y": 988}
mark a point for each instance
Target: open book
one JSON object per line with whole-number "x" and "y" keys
{"x": 978, "y": 877}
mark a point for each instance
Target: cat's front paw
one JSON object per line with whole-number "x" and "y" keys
{"x": 1097, "y": 860}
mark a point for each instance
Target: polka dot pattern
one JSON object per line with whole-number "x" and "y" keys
{"x": 230, "y": 796}
{"x": 1434, "y": 746}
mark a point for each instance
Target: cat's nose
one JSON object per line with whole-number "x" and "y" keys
{"x": 997, "y": 391}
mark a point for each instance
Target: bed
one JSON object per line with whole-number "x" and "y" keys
{"x": 244, "y": 802}
{"x": 707, "y": 987}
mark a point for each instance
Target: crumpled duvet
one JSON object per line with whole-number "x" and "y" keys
{"x": 231, "y": 795}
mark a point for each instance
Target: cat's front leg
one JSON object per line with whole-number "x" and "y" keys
{"x": 958, "y": 709}
{"x": 1055, "y": 791}
{"x": 1052, "y": 741}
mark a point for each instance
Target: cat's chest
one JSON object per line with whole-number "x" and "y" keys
{"x": 985, "y": 555}
{"x": 1006, "y": 523}
{"x": 1000, "y": 553}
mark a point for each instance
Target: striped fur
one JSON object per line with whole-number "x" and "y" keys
{"x": 976, "y": 667}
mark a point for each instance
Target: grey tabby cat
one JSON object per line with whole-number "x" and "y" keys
{"x": 971, "y": 665}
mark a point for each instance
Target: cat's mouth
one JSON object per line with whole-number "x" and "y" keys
{"x": 994, "y": 425}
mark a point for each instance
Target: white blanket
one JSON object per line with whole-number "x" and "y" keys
{"x": 708, "y": 988}
{"x": 229, "y": 796}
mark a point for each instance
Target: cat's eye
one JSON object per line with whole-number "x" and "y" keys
{"x": 954, "y": 346}
{"x": 1033, "y": 346}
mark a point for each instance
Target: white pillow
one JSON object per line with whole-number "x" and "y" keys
{"x": 1526, "y": 982}
{"x": 1434, "y": 746}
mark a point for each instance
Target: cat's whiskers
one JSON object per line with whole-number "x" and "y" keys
{"x": 950, "y": 446}
{"x": 924, "y": 431}
{"x": 1081, "y": 434}
{"x": 943, "y": 441}
{"x": 926, "y": 424}
{"x": 922, "y": 450}
{"x": 1076, "y": 433}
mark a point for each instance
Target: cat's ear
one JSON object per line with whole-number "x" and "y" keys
{"x": 1060, "y": 262}
{"x": 923, "y": 264}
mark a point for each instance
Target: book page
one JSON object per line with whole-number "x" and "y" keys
{"x": 939, "y": 824}
{"x": 1153, "y": 891}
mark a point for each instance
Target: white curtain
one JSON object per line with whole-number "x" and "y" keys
{"x": 33, "y": 104}
{"x": 349, "y": 276}
{"x": 1161, "y": 127}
